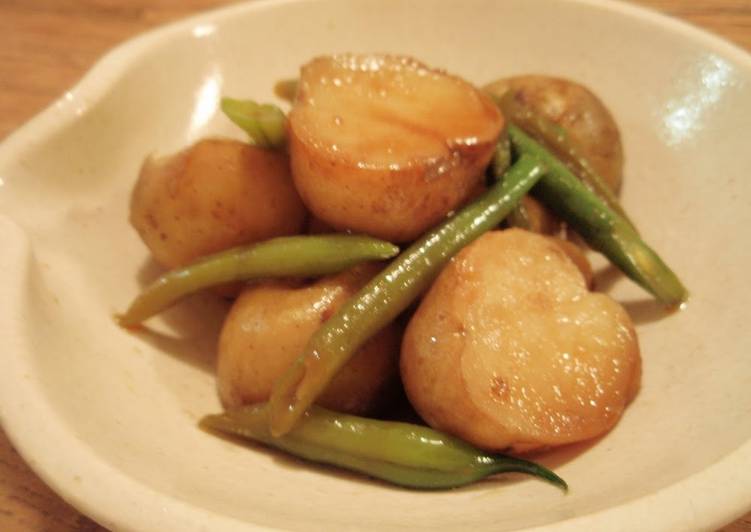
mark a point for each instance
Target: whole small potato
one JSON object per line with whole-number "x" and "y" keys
{"x": 386, "y": 146}
{"x": 577, "y": 255}
{"x": 509, "y": 350}
{"x": 539, "y": 219}
{"x": 215, "y": 195}
{"x": 268, "y": 327}
{"x": 578, "y": 110}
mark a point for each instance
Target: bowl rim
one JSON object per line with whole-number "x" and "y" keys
{"x": 121, "y": 502}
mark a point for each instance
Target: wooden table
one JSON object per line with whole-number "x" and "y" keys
{"x": 45, "y": 47}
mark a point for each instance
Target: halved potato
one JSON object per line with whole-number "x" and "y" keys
{"x": 386, "y": 146}
{"x": 212, "y": 196}
{"x": 269, "y": 326}
{"x": 509, "y": 350}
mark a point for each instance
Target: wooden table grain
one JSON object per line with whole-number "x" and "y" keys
{"x": 47, "y": 45}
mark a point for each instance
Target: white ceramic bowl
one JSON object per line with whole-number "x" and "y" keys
{"x": 108, "y": 418}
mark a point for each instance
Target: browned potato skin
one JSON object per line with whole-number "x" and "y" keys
{"x": 212, "y": 196}
{"x": 268, "y": 327}
{"x": 541, "y": 219}
{"x": 485, "y": 352}
{"x": 318, "y": 227}
{"x": 575, "y": 108}
{"x": 353, "y": 190}
{"x": 577, "y": 256}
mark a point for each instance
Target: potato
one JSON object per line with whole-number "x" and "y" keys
{"x": 384, "y": 145}
{"x": 215, "y": 195}
{"x": 268, "y": 327}
{"x": 509, "y": 350}
{"x": 576, "y": 254}
{"x": 574, "y": 107}
{"x": 540, "y": 219}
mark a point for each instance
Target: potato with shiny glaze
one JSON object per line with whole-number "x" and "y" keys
{"x": 215, "y": 195}
{"x": 574, "y": 107}
{"x": 510, "y": 351}
{"x": 269, "y": 326}
{"x": 386, "y": 146}
{"x": 537, "y": 218}
{"x": 577, "y": 255}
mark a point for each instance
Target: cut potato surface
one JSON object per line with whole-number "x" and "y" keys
{"x": 269, "y": 326}
{"x": 215, "y": 195}
{"x": 509, "y": 350}
{"x": 385, "y": 145}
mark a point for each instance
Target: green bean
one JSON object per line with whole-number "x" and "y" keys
{"x": 279, "y": 257}
{"x": 603, "y": 229}
{"x": 407, "y": 455}
{"x": 389, "y": 293}
{"x": 557, "y": 139}
{"x": 265, "y": 124}
{"x": 519, "y": 216}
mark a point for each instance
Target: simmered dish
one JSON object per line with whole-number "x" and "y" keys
{"x": 403, "y": 233}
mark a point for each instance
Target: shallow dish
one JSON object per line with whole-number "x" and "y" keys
{"x": 108, "y": 418}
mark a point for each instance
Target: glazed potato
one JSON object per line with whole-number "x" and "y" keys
{"x": 539, "y": 218}
{"x": 575, "y": 108}
{"x": 386, "y": 146}
{"x": 268, "y": 327}
{"x": 215, "y": 195}
{"x": 576, "y": 254}
{"x": 509, "y": 350}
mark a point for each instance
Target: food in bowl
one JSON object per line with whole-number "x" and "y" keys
{"x": 506, "y": 349}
